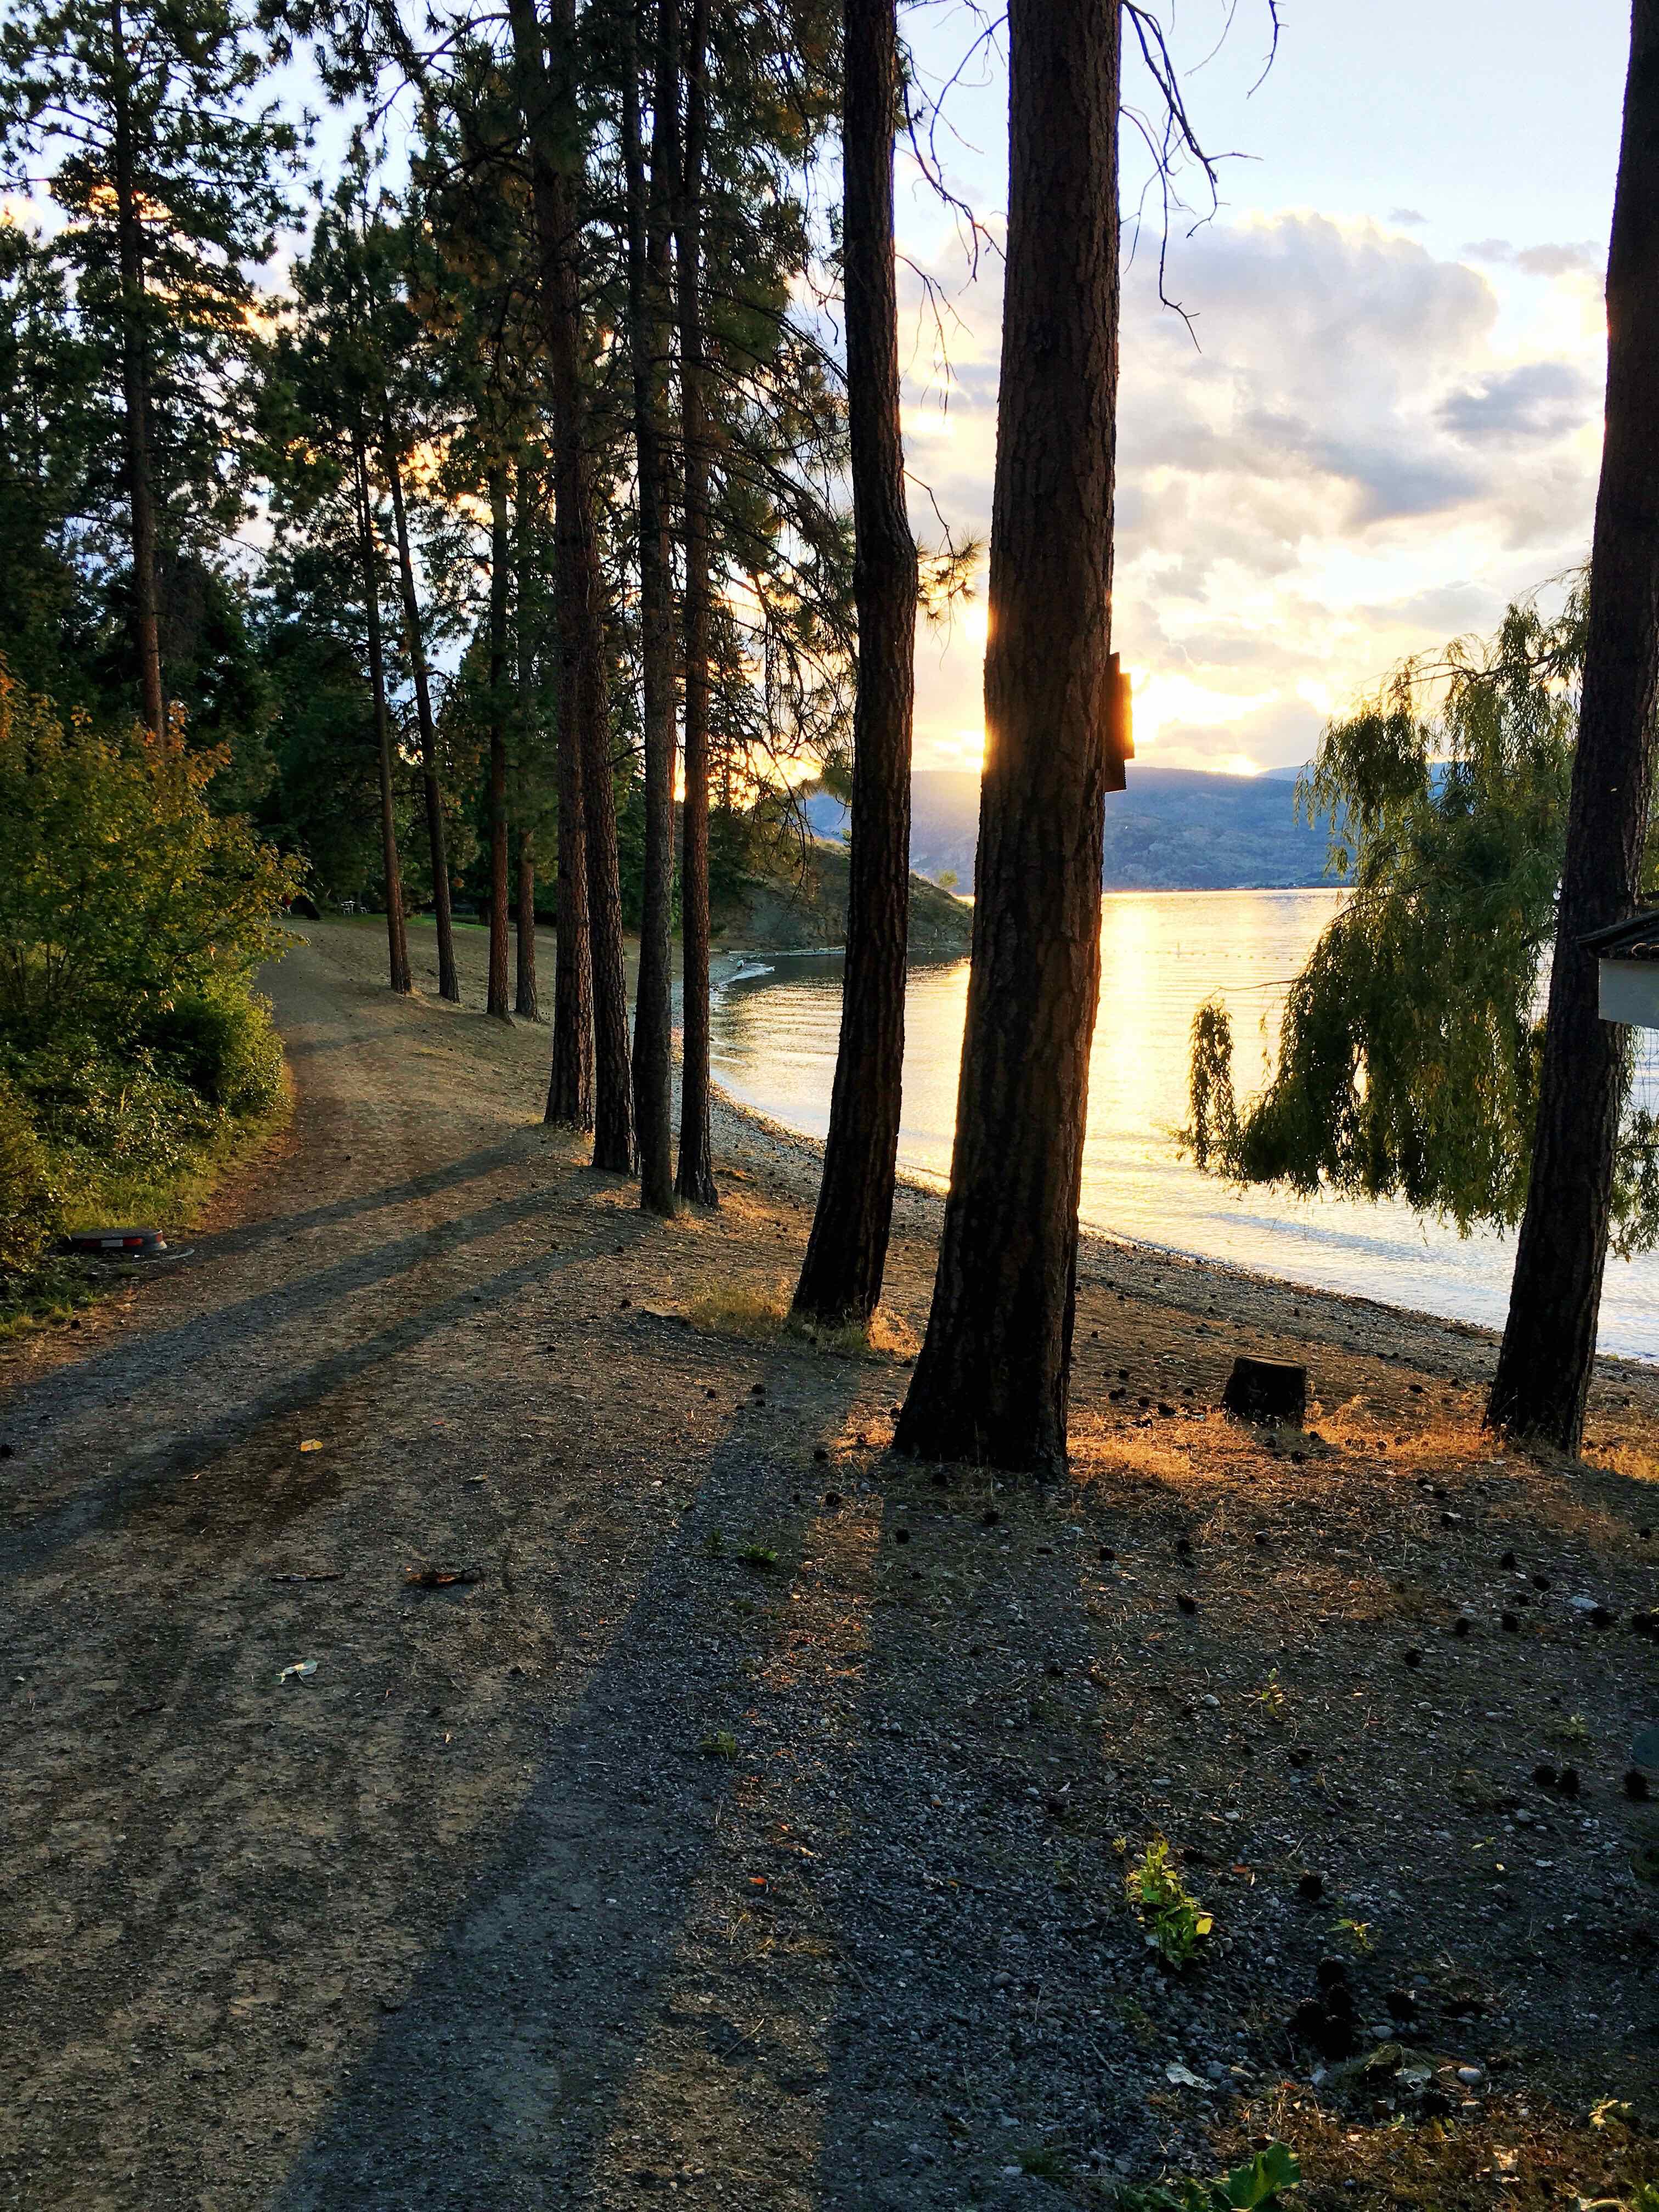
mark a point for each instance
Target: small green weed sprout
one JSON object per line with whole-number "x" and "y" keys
{"x": 1175, "y": 1923}
{"x": 1271, "y": 1698}
{"x": 719, "y": 1743}
{"x": 1251, "y": 2188}
{"x": 759, "y": 1559}
{"x": 1358, "y": 1932}
{"x": 1046, "y": 2163}
{"x": 714, "y": 1545}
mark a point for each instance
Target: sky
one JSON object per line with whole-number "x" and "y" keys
{"x": 1384, "y": 420}
{"x": 1389, "y": 424}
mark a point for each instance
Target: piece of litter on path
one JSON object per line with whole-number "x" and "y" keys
{"x": 311, "y": 1443}
{"x": 302, "y": 1668}
{"x": 1183, "y": 2076}
{"x": 439, "y": 1578}
{"x": 332, "y": 1575}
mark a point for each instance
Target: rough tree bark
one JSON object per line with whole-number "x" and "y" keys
{"x": 991, "y": 1380}
{"x": 847, "y": 1252}
{"x": 570, "y": 1077}
{"x": 135, "y": 388}
{"x": 547, "y": 101}
{"x": 613, "y": 1091}
{"x": 649, "y": 208}
{"x": 526, "y": 1003}
{"x": 397, "y": 927}
{"x": 1543, "y": 1369}
{"x": 448, "y": 984}
{"x": 695, "y": 1176}
{"x": 496, "y": 995}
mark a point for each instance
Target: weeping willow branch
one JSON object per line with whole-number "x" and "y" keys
{"x": 1408, "y": 1048}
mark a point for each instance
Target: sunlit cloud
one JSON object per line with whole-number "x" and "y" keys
{"x": 1370, "y": 450}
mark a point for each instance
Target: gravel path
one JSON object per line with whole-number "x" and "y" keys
{"x": 738, "y": 1826}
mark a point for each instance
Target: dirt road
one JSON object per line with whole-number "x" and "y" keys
{"x": 737, "y": 1826}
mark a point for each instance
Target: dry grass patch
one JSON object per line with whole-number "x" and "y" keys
{"x": 759, "y": 1313}
{"x": 884, "y": 1336}
{"x": 754, "y": 1311}
{"x": 1518, "y": 2150}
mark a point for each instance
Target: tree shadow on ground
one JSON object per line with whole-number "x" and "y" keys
{"x": 497, "y": 2079}
{"x": 225, "y": 1338}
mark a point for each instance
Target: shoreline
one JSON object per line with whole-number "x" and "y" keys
{"x": 1216, "y": 1291}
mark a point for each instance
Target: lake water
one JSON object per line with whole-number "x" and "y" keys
{"x": 1164, "y": 952}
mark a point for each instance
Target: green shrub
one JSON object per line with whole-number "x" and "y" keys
{"x": 102, "y": 1117}
{"x": 224, "y": 1047}
{"x": 123, "y": 894}
{"x": 31, "y": 1206}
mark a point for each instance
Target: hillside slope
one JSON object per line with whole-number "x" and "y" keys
{"x": 1172, "y": 830}
{"x": 787, "y": 914}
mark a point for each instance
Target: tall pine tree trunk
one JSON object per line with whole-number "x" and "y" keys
{"x": 134, "y": 389}
{"x": 991, "y": 1380}
{"x": 648, "y": 275}
{"x": 547, "y": 98}
{"x": 847, "y": 1250}
{"x": 570, "y": 1076}
{"x": 1548, "y": 1354}
{"x": 397, "y": 926}
{"x": 613, "y": 1091}
{"x": 495, "y": 996}
{"x": 547, "y": 101}
{"x": 415, "y": 643}
{"x": 526, "y": 1003}
{"x": 695, "y": 1176}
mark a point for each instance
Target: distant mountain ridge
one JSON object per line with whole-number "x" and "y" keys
{"x": 1173, "y": 830}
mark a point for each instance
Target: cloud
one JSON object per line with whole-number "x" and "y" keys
{"x": 1584, "y": 259}
{"x": 1410, "y": 218}
{"x": 1541, "y": 400}
{"x": 1359, "y": 459}
{"x": 1561, "y": 261}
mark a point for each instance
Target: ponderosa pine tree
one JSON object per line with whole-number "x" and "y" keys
{"x": 991, "y": 1380}
{"x": 323, "y": 397}
{"x": 47, "y": 398}
{"x": 393, "y": 463}
{"x": 397, "y": 923}
{"x": 846, "y": 1253}
{"x": 650, "y": 202}
{"x": 472, "y": 280}
{"x": 695, "y": 1172}
{"x": 591, "y": 1082}
{"x": 1544, "y": 1368}
{"x": 136, "y": 115}
{"x": 763, "y": 449}
{"x": 501, "y": 711}
{"x": 526, "y": 1003}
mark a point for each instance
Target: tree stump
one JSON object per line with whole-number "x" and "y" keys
{"x": 1266, "y": 1390}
